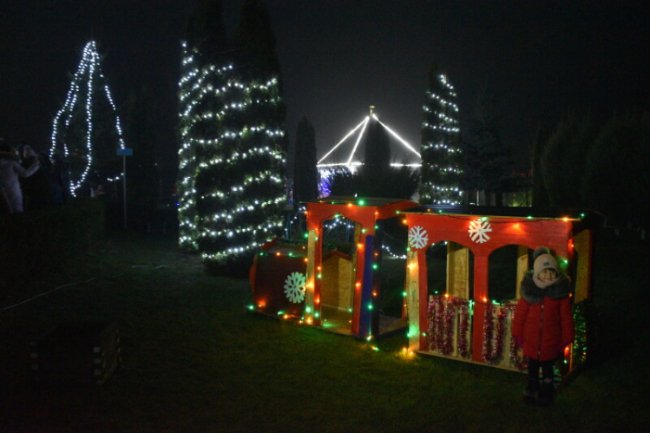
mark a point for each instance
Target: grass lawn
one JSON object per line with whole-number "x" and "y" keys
{"x": 194, "y": 360}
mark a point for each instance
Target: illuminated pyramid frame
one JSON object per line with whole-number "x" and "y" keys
{"x": 326, "y": 164}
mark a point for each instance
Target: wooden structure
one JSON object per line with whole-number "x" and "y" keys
{"x": 327, "y": 288}
{"x": 366, "y": 214}
{"x": 464, "y": 323}
{"x": 277, "y": 278}
{"x": 77, "y": 353}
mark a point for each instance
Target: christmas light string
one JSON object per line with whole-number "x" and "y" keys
{"x": 90, "y": 69}
{"x": 350, "y": 165}
{"x": 240, "y": 208}
{"x": 441, "y": 169}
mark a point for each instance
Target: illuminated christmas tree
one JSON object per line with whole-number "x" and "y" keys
{"x": 86, "y": 131}
{"x": 187, "y": 94}
{"x": 440, "y": 175}
{"x": 232, "y": 159}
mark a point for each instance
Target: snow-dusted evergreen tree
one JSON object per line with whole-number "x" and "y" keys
{"x": 440, "y": 175}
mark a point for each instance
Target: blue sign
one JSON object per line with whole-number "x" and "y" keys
{"x": 127, "y": 151}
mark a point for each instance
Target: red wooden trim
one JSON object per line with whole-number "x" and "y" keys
{"x": 480, "y": 299}
{"x": 423, "y": 295}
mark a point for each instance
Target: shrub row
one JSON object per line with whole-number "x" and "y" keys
{"x": 36, "y": 243}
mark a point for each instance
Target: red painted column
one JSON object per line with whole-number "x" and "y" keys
{"x": 423, "y": 295}
{"x": 318, "y": 269}
{"x": 358, "y": 279}
{"x": 480, "y": 301}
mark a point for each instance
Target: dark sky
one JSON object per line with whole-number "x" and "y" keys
{"x": 539, "y": 59}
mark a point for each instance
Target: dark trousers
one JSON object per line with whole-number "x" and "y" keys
{"x": 534, "y": 366}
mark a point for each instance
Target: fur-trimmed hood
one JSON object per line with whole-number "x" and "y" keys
{"x": 534, "y": 295}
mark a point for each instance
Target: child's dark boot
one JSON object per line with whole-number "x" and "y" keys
{"x": 546, "y": 393}
{"x": 531, "y": 392}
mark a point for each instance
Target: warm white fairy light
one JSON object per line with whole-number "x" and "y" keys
{"x": 326, "y": 168}
{"x": 396, "y": 135}
{"x": 356, "y": 144}
{"x": 441, "y": 170}
{"x": 89, "y": 69}
{"x": 225, "y": 219}
{"x": 352, "y": 131}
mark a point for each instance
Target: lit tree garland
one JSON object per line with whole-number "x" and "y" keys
{"x": 441, "y": 171}
{"x": 231, "y": 162}
{"x": 86, "y": 83}
{"x": 188, "y": 88}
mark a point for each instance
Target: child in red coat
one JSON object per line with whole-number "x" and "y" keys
{"x": 543, "y": 323}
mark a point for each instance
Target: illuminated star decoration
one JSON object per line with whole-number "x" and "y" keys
{"x": 85, "y": 83}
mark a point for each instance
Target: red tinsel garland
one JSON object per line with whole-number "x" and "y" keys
{"x": 516, "y": 361}
{"x": 442, "y": 310}
{"x": 441, "y": 313}
{"x": 493, "y": 344}
{"x": 450, "y": 313}
{"x": 431, "y": 314}
{"x": 463, "y": 328}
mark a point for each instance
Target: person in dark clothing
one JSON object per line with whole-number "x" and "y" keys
{"x": 10, "y": 172}
{"x": 543, "y": 323}
{"x": 37, "y": 191}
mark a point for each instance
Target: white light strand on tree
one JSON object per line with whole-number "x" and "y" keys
{"x": 90, "y": 69}
{"x": 236, "y": 211}
{"x": 441, "y": 170}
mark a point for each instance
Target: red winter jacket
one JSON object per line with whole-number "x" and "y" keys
{"x": 543, "y": 320}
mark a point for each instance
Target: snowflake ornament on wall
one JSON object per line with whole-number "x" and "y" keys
{"x": 478, "y": 231}
{"x": 418, "y": 237}
{"x": 294, "y": 287}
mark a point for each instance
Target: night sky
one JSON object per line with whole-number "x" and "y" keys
{"x": 539, "y": 59}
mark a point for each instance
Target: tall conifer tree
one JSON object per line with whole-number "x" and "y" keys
{"x": 305, "y": 176}
{"x": 540, "y": 194}
{"x": 440, "y": 175}
{"x": 204, "y": 69}
{"x": 564, "y": 156}
{"x": 496, "y": 165}
{"x": 232, "y": 129}
{"x": 376, "y": 150}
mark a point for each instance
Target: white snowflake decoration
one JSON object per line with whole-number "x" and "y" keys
{"x": 478, "y": 231}
{"x": 294, "y": 287}
{"x": 418, "y": 237}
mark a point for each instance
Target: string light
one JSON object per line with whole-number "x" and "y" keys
{"x": 231, "y": 164}
{"x": 89, "y": 69}
{"x": 327, "y": 168}
{"x": 441, "y": 155}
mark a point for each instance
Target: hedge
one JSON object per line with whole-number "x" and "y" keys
{"x": 36, "y": 243}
